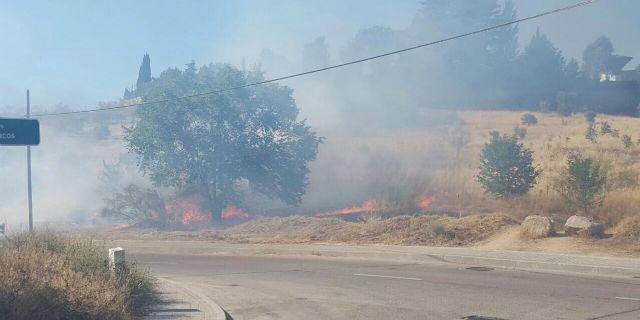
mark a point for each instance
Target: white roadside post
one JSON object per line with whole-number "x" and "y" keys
{"x": 116, "y": 259}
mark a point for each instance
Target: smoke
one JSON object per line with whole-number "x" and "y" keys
{"x": 386, "y": 122}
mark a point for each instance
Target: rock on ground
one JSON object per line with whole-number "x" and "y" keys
{"x": 583, "y": 226}
{"x": 535, "y": 226}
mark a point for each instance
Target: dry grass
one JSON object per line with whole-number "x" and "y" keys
{"x": 401, "y": 230}
{"x": 627, "y": 234}
{"x": 352, "y": 167}
{"x": 49, "y": 277}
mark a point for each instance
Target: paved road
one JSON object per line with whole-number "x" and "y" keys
{"x": 267, "y": 287}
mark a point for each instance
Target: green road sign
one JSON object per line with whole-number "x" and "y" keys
{"x": 19, "y": 132}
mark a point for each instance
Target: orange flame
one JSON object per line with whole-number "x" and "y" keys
{"x": 424, "y": 202}
{"x": 233, "y": 212}
{"x": 375, "y": 205}
{"x": 188, "y": 210}
{"x": 370, "y": 205}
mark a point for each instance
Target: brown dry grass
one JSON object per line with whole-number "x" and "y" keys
{"x": 48, "y": 277}
{"x": 627, "y": 234}
{"x": 401, "y": 230}
{"x": 427, "y": 154}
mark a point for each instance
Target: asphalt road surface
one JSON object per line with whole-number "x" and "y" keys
{"x": 309, "y": 288}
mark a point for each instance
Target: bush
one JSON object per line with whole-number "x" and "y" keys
{"x": 590, "y": 116}
{"x": 137, "y": 205}
{"x": 529, "y": 119}
{"x": 520, "y": 133}
{"x": 627, "y": 142}
{"x": 44, "y": 276}
{"x": 605, "y": 128}
{"x": 582, "y": 183}
{"x": 437, "y": 227}
{"x": 591, "y": 134}
{"x": 506, "y": 169}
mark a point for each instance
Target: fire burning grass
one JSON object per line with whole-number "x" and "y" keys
{"x": 373, "y": 205}
{"x": 189, "y": 210}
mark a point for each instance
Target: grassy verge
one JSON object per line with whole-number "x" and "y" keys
{"x": 45, "y": 276}
{"x": 400, "y": 230}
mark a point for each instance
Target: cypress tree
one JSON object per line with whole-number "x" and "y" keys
{"x": 144, "y": 74}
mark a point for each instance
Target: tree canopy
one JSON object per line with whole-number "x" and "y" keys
{"x": 210, "y": 144}
{"x": 506, "y": 169}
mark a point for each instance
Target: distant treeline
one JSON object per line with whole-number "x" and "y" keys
{"x": 483, "y": 71}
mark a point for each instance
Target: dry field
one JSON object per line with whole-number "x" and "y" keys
{"x": 426, "y": 161}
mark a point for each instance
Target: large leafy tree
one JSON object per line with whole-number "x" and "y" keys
{"x": 506, "y": 168}
{"x": 209, "y": 144}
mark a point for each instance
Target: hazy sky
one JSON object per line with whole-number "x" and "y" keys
{"x": 81, "y": 52}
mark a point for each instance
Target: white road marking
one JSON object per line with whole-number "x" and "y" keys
{"x": 625, "y": 298}
{"x": 382, "y": 276}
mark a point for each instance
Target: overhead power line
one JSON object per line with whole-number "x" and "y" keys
{"x": 336, "y": 66}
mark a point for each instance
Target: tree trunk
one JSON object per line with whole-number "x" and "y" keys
{"x": 214, "y": 203}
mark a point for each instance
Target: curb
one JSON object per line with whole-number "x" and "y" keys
{"x": 540, "y": 262}
{"x": 208, "y": 306}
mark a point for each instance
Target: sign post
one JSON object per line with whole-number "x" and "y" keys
{"x": 29, "y": 167}
{"x": 22, "y": 132}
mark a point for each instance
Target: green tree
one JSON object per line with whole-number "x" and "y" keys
{"x": 481, "y": 64}
{"x": 506, "y": 169}
{"x": 582, "y": 183}
{"x": 211, "y": 143}
{"x": 541, "y": 70}
{"x": 144, "y": 74}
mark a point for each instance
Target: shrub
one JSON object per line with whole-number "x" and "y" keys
{"x": 590, "y": 116}
{"x": 605, "y": 128}
{"x": 591, "y": 134}
{"x": 529, "y": 119}
{"x": 44, "y": 276}
{"x": 506, "y": 169}
{"x": 582, "y": 183}
{"x": 137, "y": 205}
{"x": 627, "y": 142}
{"x": 519, "y": 132}
{"x": 437, "y": 228}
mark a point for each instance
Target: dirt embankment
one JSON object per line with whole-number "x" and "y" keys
{"x": 401, "y": 230}
{"x": 490, "y": 231}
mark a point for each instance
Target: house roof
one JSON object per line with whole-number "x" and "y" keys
{"x": 615, "y": 63}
